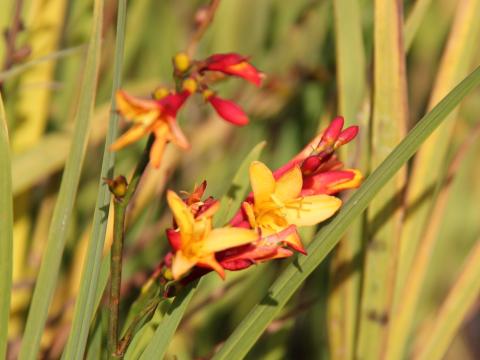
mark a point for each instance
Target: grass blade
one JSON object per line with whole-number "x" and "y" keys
{"x": 85, "y": 305}
{"x": 404, "y": 314}
{"x": 414, "y": 20}
{"x": 342, "y": 302}
{"x": 247, "y": 333}
{"x": 429, "y": 162}
{"x": 6, "y": 231}
{"x": 390, "y": 113}
{"x": 452, "y": 312}
{"x": 49, "y": 268}
{"x": 159, "y": 343}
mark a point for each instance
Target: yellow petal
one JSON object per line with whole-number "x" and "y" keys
{"x": 289, "y": 185}
{"x": 312, "y": 210}
{"x": 181, "y": 213}
{"x": 226, "y": 238}
{"x": 181, "y": 265}
{"x": 132, "y": 135}
{"x": 263, "y": 182}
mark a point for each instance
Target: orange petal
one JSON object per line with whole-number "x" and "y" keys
{"x": 176, "y": 134}
{"x": 133, "y": 134}
{"x": 263, "y": 182}
{"x": 156, "y": 152}
{"x": 211, "y": 262}
{"x": 289, "y": 184}
{"x": 313, "y": 210}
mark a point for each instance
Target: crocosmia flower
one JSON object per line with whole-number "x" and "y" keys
{"x": 152, "y": 116}
{"x": 194, "y": 240}
{"x": 278, "y": 204}
{"x": 233, "y": 64}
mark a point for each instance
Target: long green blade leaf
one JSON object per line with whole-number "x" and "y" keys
{"x": 247, "y": 333}
{"x": 6, "y": 231}
{"x": 158, "y": 345}
{"x": 50, "y": 265}
{"x": 85, "y": 305}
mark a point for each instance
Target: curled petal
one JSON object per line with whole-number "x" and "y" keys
{"x": 228, "y": 110}
{"x": 135, "y": 109}
{"x": 331, "y": 182}
{"x": 176, "y": 134}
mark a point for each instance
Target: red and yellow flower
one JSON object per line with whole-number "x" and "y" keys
{"x": 194, "y": 240}
{"x": 156, "y": 117}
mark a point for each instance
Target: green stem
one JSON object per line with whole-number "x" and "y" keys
{"x": 120, "y": 210}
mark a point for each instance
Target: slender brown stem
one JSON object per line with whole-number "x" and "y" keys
{"x": 120, "y": 209}
{"x": 202, "y": 26}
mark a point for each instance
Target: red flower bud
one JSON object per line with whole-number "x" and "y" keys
{"x": 332, "y": 132}
{"x": 235, "y": 65}
{"x": 228, "y": 110}
{"x": 346, "y": 136}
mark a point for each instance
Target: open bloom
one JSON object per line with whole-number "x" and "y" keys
{"x": 233, "y": 64}
{"x": 278, "y": 204}
{"x": 194, "y": 240}
{"x": 152, "y": 116}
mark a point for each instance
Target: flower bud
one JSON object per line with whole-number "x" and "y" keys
{"x": 118, "y": 186}
{"x": 160, "y": 92}
{"x": 181, "y": 62}
{"x": 190, "y": 85}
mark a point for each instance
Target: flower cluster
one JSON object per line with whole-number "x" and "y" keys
{"x": 300, "y": 193}
{"x": 157, "y": 116}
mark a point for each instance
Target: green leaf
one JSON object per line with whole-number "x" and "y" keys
{"x": 50, "y": 266}
{"x": 388, "y": 127}
{"x": 6, "y": 231}
{"x": 85, "y": 305}
{"x": 159, "y": 343}
{"x": 248, "y": 332}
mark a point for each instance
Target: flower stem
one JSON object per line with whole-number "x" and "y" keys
{"x": 120, "y": 209}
